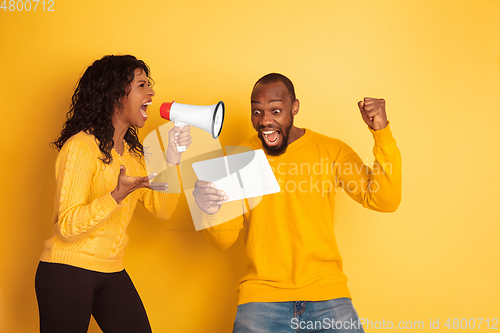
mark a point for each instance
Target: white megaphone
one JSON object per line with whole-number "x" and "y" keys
{"x": 206, "y": 117}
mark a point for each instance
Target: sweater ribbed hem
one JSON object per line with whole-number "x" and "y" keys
{"x": 82, "y": 260}
{"x": 320, "y": 291}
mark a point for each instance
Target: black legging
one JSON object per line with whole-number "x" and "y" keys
{"x": 68, "y": 295}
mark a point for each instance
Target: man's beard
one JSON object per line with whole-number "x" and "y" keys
{"x": 279, "y": 149}
{"x": 275, "y": 150}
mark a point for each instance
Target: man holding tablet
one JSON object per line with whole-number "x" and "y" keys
{"x": 294, "y": 280}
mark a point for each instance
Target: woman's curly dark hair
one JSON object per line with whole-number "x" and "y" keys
{"x": 99, "y": 91}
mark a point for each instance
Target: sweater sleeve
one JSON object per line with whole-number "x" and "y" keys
{"x": 379, "y": 187}
{"x": 162, "y": 203}
{"x": 75, "y": 168}
{"x": 222, "y": 229}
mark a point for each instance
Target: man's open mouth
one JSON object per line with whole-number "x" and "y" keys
{"x": 271, "y": 137}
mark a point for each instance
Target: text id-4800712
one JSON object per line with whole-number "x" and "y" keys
{"x": 27, "y": 5}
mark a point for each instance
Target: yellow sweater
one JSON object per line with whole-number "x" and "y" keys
{"x": 90, "y": 228}
{"x": 290, "y": 243}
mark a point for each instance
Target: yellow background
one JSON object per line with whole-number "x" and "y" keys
{"x": 436, "y": 62}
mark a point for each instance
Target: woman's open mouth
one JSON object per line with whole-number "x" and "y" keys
{"x": 144, "y": 108}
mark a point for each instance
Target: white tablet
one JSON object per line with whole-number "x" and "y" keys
{"x": 240, "y": 176}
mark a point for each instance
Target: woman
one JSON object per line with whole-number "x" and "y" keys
{"x": 100, "y": 177}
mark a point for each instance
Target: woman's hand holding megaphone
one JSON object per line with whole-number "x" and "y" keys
{"x": 177, "y": 137}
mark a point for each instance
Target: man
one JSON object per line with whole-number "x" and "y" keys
{"x": 295, "y": 280}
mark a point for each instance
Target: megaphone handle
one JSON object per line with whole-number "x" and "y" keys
{"x": 179, "y": 124}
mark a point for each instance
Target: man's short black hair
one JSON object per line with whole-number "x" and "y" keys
{"x": 275, "y": 77}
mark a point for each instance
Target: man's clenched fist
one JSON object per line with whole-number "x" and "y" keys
{"x": 373, "y": 112}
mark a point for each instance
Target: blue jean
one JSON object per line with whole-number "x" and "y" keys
{"x": 336, "y": 315}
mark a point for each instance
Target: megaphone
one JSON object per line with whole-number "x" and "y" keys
{"x": 206, "y": 117}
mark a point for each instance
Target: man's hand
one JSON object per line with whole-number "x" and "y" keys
{"x": 208, "y": 198}
{"x": 373, "y": 112}
{"x": 127, "y": 185}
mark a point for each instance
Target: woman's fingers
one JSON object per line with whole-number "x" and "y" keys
{"x": 158, "y": 186}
